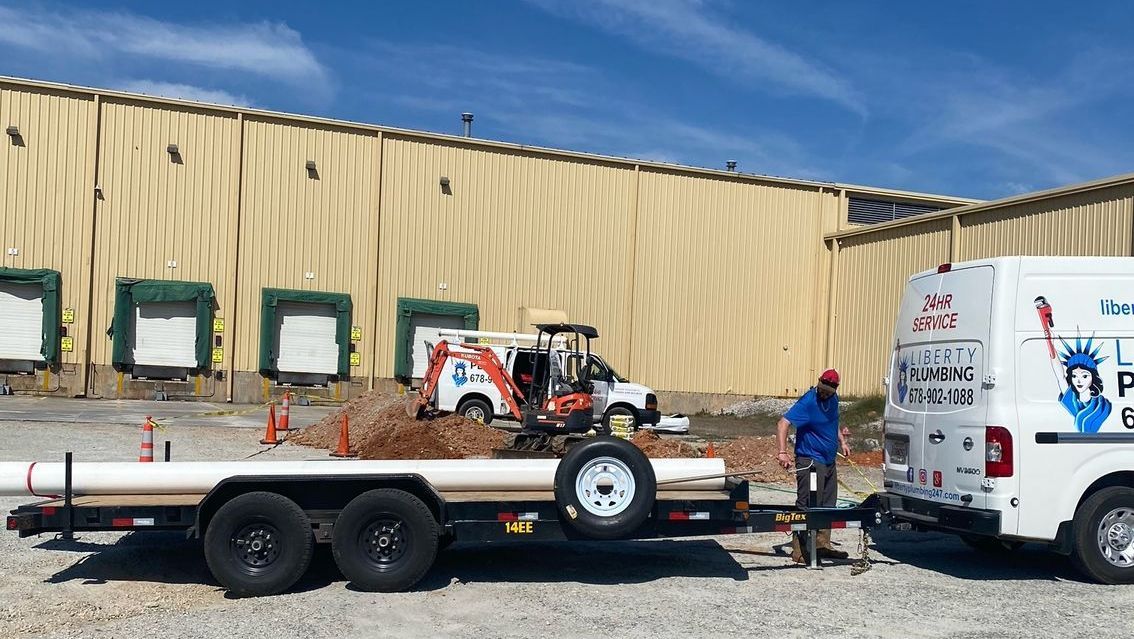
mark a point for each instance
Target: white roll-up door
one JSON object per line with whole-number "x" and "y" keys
{"x": 306, "y": 334}
{"x": 426, "y": 328}
{"x": 21, "y": 321}
{"x": 165, "y": 334}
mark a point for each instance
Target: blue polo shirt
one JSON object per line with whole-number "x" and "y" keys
{"x": 816, "y": 426}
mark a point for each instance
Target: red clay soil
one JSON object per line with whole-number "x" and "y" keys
{"x": 657, "y": 447}
{"x": 380, "y": 429}
{"x": 872, "y": 459}
{"x": 757, "y": 454}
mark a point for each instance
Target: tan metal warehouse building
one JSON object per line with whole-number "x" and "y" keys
{"x": 219, "y": 252}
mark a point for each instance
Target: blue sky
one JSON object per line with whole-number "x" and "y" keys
{"x": 977, "y": 99}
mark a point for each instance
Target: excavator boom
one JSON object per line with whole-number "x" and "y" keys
{"x": 480, "y": 356}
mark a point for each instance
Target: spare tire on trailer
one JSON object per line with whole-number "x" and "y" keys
{"x": 605, "y": 488}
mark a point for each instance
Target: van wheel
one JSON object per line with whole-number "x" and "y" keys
{"x": 620, "y": 411}
{"x": 385, "y": 540}
{"x": 605, "y": 488}
{"x": 476, "y": 410}
{"x": 1104, "y": 536}
{"x": 259, "y": 543}
{"x": 991, "y": 545}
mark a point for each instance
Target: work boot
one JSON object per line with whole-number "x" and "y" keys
{"x": 823, "y": 547}
{"x": 796, "y": 550}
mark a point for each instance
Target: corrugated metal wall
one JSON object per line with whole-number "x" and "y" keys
{"x": 156, "y": 209}
{"x": 873, "y": 271}
{"x": 1092, "y": 223}
{"x": 47, "y": 180}
{"x": 293, "y": 223}
{"x": 513, "y": 229}
{"x": 728, "y": 277}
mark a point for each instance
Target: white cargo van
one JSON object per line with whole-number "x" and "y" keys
{"x": 1010, "y": 410}
{"x": 467, "y": 390}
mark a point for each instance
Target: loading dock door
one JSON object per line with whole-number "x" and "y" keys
{"x": 306, "y": 334}
{"x": 21, "y": 322}
{"x": 426, "y": 327}
{"x": 164, "y": 334}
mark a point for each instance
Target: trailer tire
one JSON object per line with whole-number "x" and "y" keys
{"x": 385, "y": 540}
{"x": 605, "y": 488}
{"x": 259, "y": 543}
{"x": 476, "y": 410}
{"x": 1103, "y": 533}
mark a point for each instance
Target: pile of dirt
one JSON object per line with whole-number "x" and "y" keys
{"x": 657, "y": 447}
{"x": 757, "y": 454}
{"x": 871, "y": 459}
{"x": 380, "y": 429}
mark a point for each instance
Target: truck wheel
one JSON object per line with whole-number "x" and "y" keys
{"x": 1104, "y": 536}
{"x": 259, "y": 543}
{"x": 991, "y": 545}
{"x": 605, "y": 488}
{"x": 385, "y": 540}
{"x": 477, "y": 410}
{"x": 619, "y": 410}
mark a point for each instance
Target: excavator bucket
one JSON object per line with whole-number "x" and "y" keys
{"x": 415, "y": 407}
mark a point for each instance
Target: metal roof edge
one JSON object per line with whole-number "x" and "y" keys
{"x": 1071, "y": 189}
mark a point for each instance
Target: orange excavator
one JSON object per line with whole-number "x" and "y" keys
{"x": 558, "y": 410}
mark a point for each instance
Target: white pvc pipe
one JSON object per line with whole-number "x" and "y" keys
{"x": 118, "y": 478}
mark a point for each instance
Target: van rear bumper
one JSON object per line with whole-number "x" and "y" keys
{"x": 933, "y": 515}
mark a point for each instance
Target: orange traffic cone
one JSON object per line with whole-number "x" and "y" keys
{"x": 285, "y": 412}
{"x": 709, "y": 452}
{"x": 146, "y": 452}
{"x": 270, "y": 436}
{"x": 344, "y": 441}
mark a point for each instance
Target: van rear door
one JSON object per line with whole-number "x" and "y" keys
{"x": 936, "y": 407}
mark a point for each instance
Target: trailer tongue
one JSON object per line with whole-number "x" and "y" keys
{"x": 386, "y": 522}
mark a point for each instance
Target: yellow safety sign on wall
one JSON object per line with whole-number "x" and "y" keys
{"x": 218, "y": 324}
{"x": 67, "y": 344}
{"x": 218, "y": 355}
{"x": 68, "y": 316}
{"x": 356, "y": 359}
{"x": 355, "y": 333}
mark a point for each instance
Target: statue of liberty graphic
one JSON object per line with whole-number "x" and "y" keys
{"x": 1083, "y": 397}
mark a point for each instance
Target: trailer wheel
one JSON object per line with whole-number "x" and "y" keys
{"x": 605, "y": 488}
{"x": 1103, "y": 531}
{"x": 259, "y": 543}
{"x": 385, "y": 540}
{"x": 477, "y": 410}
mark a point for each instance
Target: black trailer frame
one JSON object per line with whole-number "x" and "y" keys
{"x": 462, "y": 516}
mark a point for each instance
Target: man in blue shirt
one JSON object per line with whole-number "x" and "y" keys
{"x": 818, "y": 438}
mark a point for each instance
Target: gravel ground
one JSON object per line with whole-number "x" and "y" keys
{"x": 114, "y": 585}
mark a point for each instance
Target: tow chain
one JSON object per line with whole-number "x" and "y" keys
{"x": 863, "y": 563}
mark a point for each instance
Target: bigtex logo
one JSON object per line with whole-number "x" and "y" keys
{"x": 786, "y": 518}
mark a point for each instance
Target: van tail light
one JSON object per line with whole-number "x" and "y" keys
{"x": 997, "y": 452}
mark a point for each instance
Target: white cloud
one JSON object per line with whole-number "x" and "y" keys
{"x": 265, "y": 49}
{"x": 686, "y": 29}
{"x": 184, "y": 92}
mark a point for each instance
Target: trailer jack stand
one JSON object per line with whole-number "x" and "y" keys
{"x": 813, "y": 550}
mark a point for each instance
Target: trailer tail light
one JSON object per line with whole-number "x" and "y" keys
{"x": 997, "y": 452}
{"x": 651, "y": 401}
{"x": 945, "y": 268}
{"x": 12, "y": 523}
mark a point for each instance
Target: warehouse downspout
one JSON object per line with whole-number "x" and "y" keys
{"x": 232, "y": 320}
{"x": 88, "y": 311}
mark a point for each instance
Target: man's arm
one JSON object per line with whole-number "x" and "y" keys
{"x": 843, "y": 447}
{"x": 783, "y": 456}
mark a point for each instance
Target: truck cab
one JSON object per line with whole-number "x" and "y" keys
{"x": 1010, "y": 407}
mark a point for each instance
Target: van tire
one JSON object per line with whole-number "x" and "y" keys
{"x": 284, "y": 544}
{"x": 619, "y": 410}
{"x": 991, "y": 545}
{"x": 476, "y": 410}
{"x": 1107, "y": 514}
{"x": 582, "y": 474}
{"x": 385, "y": 540}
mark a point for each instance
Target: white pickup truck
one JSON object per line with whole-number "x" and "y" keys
{"x": 467, "y": 390}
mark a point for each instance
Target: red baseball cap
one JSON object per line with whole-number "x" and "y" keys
{"x": 830, "y": 377}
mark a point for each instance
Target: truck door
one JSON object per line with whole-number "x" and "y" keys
{"x": 600, "y": 377}
{"x": 936, "y": 407}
